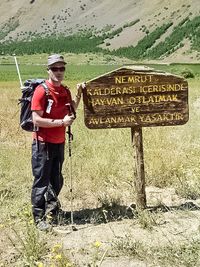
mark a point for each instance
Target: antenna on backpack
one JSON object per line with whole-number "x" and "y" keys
{"x": 17, "y": 66}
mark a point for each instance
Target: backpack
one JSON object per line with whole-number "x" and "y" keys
{"x": 27, "y": 93}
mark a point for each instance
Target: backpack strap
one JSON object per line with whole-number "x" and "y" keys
{"x": 45, "y": 88}
{"x": 47, "y": 93}
{"x": 37, "y": 128}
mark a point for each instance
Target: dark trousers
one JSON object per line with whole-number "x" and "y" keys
{"x": 47, "y": 160}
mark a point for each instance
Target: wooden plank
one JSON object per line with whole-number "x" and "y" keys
{"x": 130, "y": 97}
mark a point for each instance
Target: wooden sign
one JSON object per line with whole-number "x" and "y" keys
{"x": 135, "y": 96}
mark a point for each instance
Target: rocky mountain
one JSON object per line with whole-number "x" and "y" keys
{"x": 132, "y": 28}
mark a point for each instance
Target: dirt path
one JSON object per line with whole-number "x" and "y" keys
{"x": 161, "y": 226}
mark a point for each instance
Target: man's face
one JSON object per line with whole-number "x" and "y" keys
{"x": 57, "y": 71}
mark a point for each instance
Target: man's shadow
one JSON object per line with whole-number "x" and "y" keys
{"x": 116, "y": 212}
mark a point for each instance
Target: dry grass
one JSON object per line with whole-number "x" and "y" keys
{"x": 183, "y": 254}
{"x": 104, "y": 157}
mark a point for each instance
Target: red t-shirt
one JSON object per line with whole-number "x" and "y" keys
{"x": 54, "y": 107}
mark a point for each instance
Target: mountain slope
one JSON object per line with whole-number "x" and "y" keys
{"x": 119, "y": 23}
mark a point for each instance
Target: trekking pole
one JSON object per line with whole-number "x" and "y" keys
{"x": 70, "y": 138}
{"x": 17, "y": 66}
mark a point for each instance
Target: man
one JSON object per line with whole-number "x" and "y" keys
{"x": 52, "y": 112}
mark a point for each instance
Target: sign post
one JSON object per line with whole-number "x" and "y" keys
{"x": 136, "y": 97}
{"x": 139, "y": 182}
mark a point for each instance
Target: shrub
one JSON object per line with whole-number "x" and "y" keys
{"x": 187, "y": 74}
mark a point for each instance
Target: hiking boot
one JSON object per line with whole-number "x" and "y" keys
{"x": 43, "y": 226}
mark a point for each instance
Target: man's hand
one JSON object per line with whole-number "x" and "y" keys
{"x": 68, "y": 120}
{"x": 80, "y": 87}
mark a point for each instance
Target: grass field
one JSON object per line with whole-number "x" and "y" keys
{"x": 102, "y": 160}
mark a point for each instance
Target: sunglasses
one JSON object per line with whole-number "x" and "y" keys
{"x": 55, "y": 69}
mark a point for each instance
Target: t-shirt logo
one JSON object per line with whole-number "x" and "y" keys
{"x": 49, "y": 106}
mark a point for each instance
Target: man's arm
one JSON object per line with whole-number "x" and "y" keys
{"x": 77, "y": 98}
{"x": 39, "y": 121}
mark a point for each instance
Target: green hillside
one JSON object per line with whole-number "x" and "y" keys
{"x": 86, "y": 41}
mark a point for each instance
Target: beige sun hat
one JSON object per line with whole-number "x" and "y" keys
{"x": 55, "y": 58}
